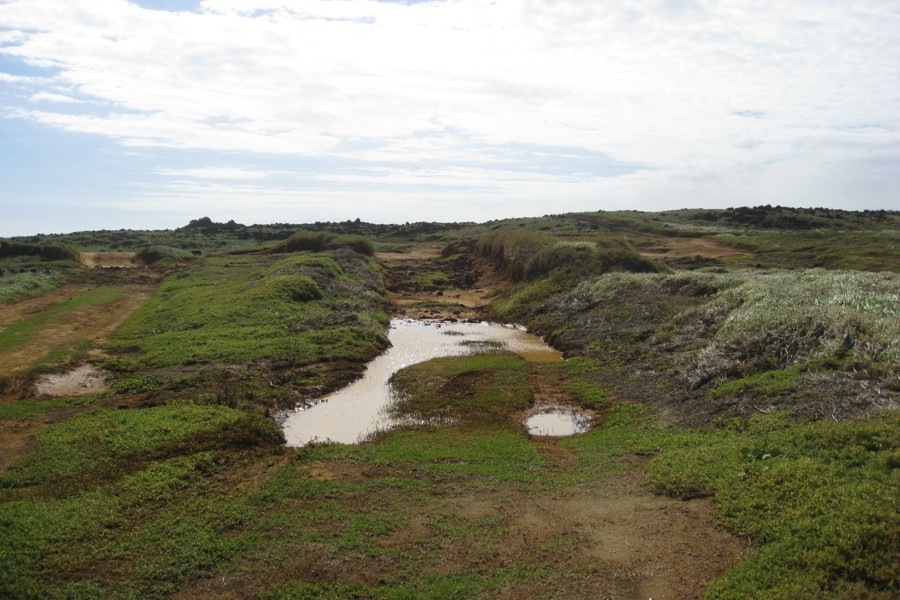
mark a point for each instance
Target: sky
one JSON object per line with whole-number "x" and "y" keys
{"x": 147, "y": 114}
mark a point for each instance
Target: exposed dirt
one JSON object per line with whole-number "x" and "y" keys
{"x": 82, "y": 380}
{"x": 465, "y": 299}
{"x": 92, "y": 323}
{"x": 16, "y": 438}
{"x": 631, "y": 542}
{"x": 689, "y": 247}
{"x": 106, "y": 259}
{"x": 89, "y": 323}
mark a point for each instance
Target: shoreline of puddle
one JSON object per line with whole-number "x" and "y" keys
{"x": 358, "y": 410}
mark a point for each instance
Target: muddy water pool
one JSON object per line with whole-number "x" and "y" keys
{"x": 557, "y": 421}
{"x": 351, "y": 414}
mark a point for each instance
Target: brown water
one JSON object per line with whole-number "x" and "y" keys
{"x": 351, "y": 414}
{"x": 557, "y": 421}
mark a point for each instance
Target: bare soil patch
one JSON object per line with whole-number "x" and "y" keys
{"x": 16, "y": 438}
{"x": 87, "y": 323}
{"x": 29, "y": 306}
{"x": 463, "y": 305}
{"x": 630, "y": 542}
{"x": 465, "y": 299}
{"x": 106, "y": 259}
{"x": 418, "y": 254}
{"x": 82, "y": 380}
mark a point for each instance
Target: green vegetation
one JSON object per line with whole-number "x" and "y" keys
{"x": 318, "y": 241}
{"x": 301, "y": 308}
{"x": 163, "y": 255}
{"x": 64, "y": 353}
{"x": 29, "y": 409}
{"x": 725, "y": 342}
{"x": 48, "y": 252}
{"x": 822, "y": 497}
{"x": 432, "y": 282}
{"x": 527, "y": 256}
{"x": 175, "y": 482}
{"x": 16, "y": 286}
{"x": 104, "y": 438}
{"x": 486, "y": 388}
{"x": 544, "y": 266}
{"x": 136, "y": 385}
{"x": 823, "y": 503}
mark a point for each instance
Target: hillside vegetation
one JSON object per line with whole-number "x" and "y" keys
{"x": 748, "y": 357}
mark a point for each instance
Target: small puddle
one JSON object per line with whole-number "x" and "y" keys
{"x": 358, "y": 410}
{"x": 557, "y": 421}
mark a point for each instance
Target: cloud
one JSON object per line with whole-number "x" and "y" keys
{"x": 474, "y": 94}
{"x": 214, "y": 173}
{"x": 51, "y": 97}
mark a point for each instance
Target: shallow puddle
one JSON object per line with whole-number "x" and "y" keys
{"x": 557, "y": 421}
{"x": 351, "y": 414}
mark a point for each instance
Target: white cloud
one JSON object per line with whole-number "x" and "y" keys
{"x": 215, "y": 173}
{"x": 738, "y": 93}
{"x": 51, "y": 97}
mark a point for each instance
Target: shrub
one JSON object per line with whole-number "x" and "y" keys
{"x": 15, "y": 286}
{"x": 528, "y": 256}
{"x": 136, "y": 385}
{"x": 164, "y": 254}
{"x": 45, "y": 251}
{"x": 318, "y": 241}
{"x": 775, "y": 320}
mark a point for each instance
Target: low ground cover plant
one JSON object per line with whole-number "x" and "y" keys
{"x": 16, "y": 286}
{"x": 242, "y": 309}
{"x": 820, "y": 497}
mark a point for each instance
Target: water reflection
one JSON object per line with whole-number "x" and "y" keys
{"x": 557, "y": 421}
{"x": 351, "y": 414}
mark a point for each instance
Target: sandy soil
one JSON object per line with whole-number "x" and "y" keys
{"x": 82, "y": 380}
{"x": 106, "y": 259}
{"x": 689, "y": 247}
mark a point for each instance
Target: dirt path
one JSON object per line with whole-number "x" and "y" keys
{"x": 93, "y": 323}
{"x": 612, "y": 539}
